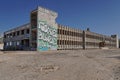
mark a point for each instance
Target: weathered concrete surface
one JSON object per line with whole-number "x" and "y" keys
{"x": 1, "y": 46}
{"x": 60, "y": 65}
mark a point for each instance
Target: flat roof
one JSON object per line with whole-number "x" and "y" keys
{"x": 17, "y": 28}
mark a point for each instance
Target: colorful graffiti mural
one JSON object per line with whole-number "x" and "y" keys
{"x": 47, "y": 36}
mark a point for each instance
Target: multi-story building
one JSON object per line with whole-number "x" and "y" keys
{"x": 17, "y": 38}
{"x": 43, "y": 33}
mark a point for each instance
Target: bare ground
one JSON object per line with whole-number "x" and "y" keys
{"x": 60, "y": 65}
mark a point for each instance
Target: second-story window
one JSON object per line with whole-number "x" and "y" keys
{"x": 4, "y": 36}
{"x": 27, "y": 31}
{"x": 18, "y": 33}
{"x": 10, "y": 34}
{"x": 22, "y": 32}
{"x": 13, "y": 34}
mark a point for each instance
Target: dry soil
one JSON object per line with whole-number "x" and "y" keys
{"x": 60, "y": 65}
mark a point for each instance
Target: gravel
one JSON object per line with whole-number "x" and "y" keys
{"x": 60, "y": 65}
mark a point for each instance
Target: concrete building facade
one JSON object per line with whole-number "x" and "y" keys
{"x": 1, "y": 42}
{"x": 69, "y": 38}
{"x": 93, "y": 40}
{"x": 43, "y": 33}
{"x": 17, "y": 38}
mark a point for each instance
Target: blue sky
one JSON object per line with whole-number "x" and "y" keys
{"x": 101, "y": 16}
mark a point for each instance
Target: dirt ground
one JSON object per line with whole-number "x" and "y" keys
{"x": 60, "y": 65}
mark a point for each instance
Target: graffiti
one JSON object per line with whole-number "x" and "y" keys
{"x": 47, "y": 29}
{"x": 47, "y": 36}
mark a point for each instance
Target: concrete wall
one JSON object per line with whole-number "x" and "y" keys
{"x": 1, "y": 46}
{"x": 46, "y": 30}
{"x": 116, "y": 40}
{"x": 1, "y": 43}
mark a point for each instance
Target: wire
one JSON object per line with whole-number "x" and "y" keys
{"x": 37, "y": 3}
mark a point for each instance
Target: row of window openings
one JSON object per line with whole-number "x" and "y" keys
{"x": 67, "y": 42}
{"x": 100, "y": 38}
{"x": 64, "y": 32}
{"x": 12, "y": 43}
{"x": 17, "y": 33}
{"x": 97, "y": 44}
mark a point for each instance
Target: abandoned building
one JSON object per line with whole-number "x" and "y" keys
{"x": 43, "y": 33}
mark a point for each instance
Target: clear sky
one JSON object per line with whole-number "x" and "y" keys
{"x": 101, "y": 16}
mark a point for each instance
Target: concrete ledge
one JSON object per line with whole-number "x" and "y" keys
{"x": 104, "y": 48}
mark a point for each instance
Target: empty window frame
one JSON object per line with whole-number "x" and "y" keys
{"x": 27, "y": 31}
{"x": 22, "y": 32}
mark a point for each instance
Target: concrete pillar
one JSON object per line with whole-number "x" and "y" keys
{"x": 84, "y": 40}
{"x": 117, "y": 41}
